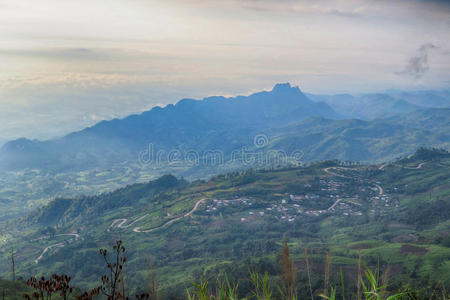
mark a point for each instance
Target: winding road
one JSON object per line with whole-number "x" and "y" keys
{"x": 57, "y": 245}
{"x": 380, "y": 189}
{"x": 119, "y": 223}
{"x": 419, "y": 166}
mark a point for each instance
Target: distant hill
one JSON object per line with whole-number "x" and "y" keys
{"x": 368, "y": 106}
{"x": 384, "y": 105}
{"x": 353, "y": 139}
{"x": 435, "y": 99}
{"x": 212, "y": 123}
{"x": 436, "y": 119}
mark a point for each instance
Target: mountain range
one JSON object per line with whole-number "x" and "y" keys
{"x": 227, "y": 124}
{"x": 200, "y": 138}
{"x": 190, "y": 124}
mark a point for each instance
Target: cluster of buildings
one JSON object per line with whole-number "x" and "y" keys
{"x": 332, "y": 196}
{"x": 216, "y": 204}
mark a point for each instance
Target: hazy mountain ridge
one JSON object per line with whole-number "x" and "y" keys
{"x": 187, "y": 124}
{"x": 376, "y": 140}
{"x": 367, "y": 106}
{"x": 220, "y": 123}
{"x": 436, "y": 99}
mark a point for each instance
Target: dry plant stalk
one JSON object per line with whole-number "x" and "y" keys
{"x": 289, "y": 274}
{"x": 358, "y": 294}
{"x": 308, "y": 272}
{"x": 327, "y": 273}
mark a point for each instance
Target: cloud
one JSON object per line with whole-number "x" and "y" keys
{"x": 418, "y": 65}
{"x": 325, "y": 8}
{"x": 61, "y": 53}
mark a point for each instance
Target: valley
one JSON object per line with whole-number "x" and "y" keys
{"x": 190, "y": 225}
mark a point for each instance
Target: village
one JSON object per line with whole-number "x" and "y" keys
{"x": 333, "y": 197}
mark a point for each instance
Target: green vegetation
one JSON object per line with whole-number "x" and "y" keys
{"x": 392, "y": 217}
{"x": 13, "y": 289}
{"x": 369, "y": 285}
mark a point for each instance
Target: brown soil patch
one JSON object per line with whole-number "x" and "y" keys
{"x": 410, "y": 249}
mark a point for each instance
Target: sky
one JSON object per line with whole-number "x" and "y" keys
{"x": 65, "y": 65}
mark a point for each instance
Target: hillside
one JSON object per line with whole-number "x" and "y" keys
{"x": 397, "y": 213}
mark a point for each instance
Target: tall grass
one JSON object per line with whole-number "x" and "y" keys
{"x": 261, "y": 286}
{"x": 369, "y": 286}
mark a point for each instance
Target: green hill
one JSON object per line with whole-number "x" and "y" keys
{"x": 396, "y": 214}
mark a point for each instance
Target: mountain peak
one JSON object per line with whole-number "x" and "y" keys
{"x": 285, "y": 88}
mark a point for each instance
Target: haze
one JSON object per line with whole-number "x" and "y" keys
{"x": 65, "y": 65}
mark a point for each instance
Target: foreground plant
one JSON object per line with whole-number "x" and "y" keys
{"x": 45, "y": 288}
{"x": 200, "y": 290}
{"x": 261, "y": 286}
{"x": 372, "y": 290}
{"x": 288, "y": 289}
{"x": 227, "y": 290}
{"x": 110, "y": 283}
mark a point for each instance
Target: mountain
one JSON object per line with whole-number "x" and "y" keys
{"x": 396, "y": 214}
{"x": 212, "y": 123}
{"x": 368, "y": 141}
{"x": 433, "y": 119}
{"x": 384, "y": 105}
{"x": 367, "y": 106}
{"x": 432, "y": 99}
